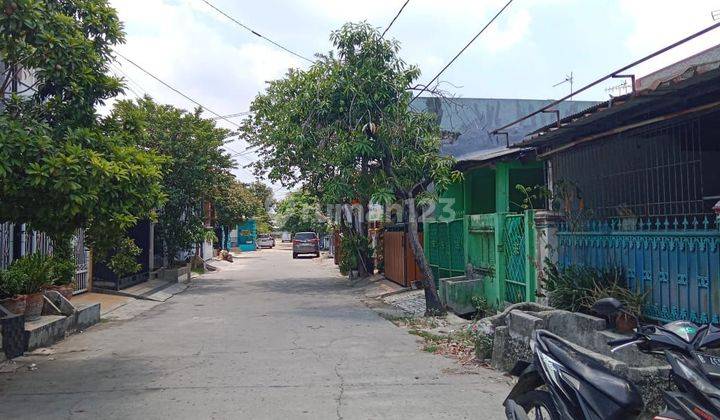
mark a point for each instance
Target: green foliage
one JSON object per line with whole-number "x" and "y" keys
{"x": 484, "y": 346}
{"x": 124, "y": 260}
{"x": 61, "y": 169}
{"x": 352, "y": 248}
{"x": 344, "y": 129}
{"x": 10, "y": 286}
{"x": 532, "y": 195}
{"x": 62, "y": 270}
{"x": 27, "y": 275}
{"x": 482, "y": 307}
{"x": 263, "y": 195}
{"x": 196, "y": 168}
{"x": 300, "y": 212}
{"x": 577, "y": 288}
{"x": 235, "y": 203}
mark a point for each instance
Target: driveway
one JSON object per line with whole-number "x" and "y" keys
{"x": 266, "y": 337}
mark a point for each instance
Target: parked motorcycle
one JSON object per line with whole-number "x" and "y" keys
{"x": 562, "y": 383}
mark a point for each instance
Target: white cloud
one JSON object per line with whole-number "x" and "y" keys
{"x": 658, "y": 23}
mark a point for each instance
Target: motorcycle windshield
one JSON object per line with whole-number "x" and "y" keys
{"x": 683, "y": 329}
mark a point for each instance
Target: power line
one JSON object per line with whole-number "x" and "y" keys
{"x": 119, "y": 71}
{"x": 616, "y": 73}
{"x": 176, "y": 91}
{"x": 395, "y": 18}
{"x": 254, "y": 32}
{"x": 238, "y": 114}
{"x": 463, "y": 50}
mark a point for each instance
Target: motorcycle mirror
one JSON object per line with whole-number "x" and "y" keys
{"x": 607, "y": 306}
{"x": 710, "y": 339}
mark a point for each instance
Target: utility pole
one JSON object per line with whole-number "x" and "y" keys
{"x": 569, "y": 78}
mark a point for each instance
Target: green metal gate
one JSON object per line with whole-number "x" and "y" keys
{"x": 516, "y": 267}
{"x": 445, "y": 248}
{"x": 500, "y": 248}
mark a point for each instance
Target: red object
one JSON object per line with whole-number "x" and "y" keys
{"x": 295, "y": 242}
{"x": 15, "y": 305}
{"x": 34, "y": 306}
{"x": 316, "y": 240}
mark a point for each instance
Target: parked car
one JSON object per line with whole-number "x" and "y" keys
{"x": 265, "y": 241}
{"x": 286, "y": 237}
{"x": 306, "y": 243}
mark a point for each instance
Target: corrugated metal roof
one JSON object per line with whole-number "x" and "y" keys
{"x": 658, "y": 93}
{"x": 491, "y": 154}
{"x": 468, "y": 121}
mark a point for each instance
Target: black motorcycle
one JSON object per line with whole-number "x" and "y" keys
{"x": 562, "y": 383}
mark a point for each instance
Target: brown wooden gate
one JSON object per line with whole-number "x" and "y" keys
{"x": 399, "y": 258}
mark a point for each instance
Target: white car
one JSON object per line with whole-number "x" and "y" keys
{"x": 265, "y": 241}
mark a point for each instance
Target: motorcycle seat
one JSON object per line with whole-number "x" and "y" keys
{"x": 619, "y": 390}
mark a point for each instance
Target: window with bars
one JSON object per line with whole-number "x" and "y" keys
{"x": 656, "y": 171}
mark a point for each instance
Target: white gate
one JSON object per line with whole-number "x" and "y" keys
{"x": 82, "y": 260}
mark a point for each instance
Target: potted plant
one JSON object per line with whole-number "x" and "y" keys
{"x": 11, "y": 297}
{"x": 62, "y": 275}
{"x": 32, "y": 274}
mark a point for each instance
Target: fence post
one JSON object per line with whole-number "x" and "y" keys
{"x": 530, "y": 277}
{"x": 500, "y": 263}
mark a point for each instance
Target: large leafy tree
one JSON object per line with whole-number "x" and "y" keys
{"x": 60, "y": 167}
{"x": 344, "y": 129}
{"x": 300, "y": 212}
{"x": 196, "y": 167}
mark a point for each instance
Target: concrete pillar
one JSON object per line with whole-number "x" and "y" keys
{"x": 546, "y": 245}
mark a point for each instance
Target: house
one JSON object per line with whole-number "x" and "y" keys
{"x": 638, "y": 188}
{"x": 244, "y": 237}
{"x": 480, "y": 218}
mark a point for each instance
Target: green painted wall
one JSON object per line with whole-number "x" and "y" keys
{"x": 482, "y": 202}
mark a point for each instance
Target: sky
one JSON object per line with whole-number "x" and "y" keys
{"x": 533, "y": 46}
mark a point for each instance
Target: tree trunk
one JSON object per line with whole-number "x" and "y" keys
{"x": 433, "y": 306}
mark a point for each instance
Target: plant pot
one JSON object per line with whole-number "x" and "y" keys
{"x": 65, "y": 290}
{"x": 34, "y": 306}
{"x": 15, "y": 305}
{"x": 624, "y": 323}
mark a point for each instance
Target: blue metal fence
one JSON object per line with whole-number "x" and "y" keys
{"x": 676, "y": 262}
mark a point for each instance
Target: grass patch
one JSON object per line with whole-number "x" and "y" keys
{"x": 198, "y": 270}
{"x": 430, "y": 348}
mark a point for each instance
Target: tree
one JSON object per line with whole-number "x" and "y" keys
{"x": 60, "y": 168}
{"x": 235, "y": 203}
{"x": 344, "y": 130}
{"x": 300, "y": 212}
{"x": 196, "y": 166}
{"x": 265, "y": 196}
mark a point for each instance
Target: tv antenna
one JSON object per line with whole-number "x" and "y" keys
{"x": 715, "y": 14}
{"x": 569, "y": 78}
{"x": 621, "y": 88}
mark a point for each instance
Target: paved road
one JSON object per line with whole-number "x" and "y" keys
{"x": 269, "y": 337}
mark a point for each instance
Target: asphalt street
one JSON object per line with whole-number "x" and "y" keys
{"x": 268, "y": 337}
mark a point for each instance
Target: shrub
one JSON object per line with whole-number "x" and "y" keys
{"x": 28, "y": 275}
{"x": 62, "y": 270}
{"x": 124, "y": 262}
{"x": 577, "y": 288}
{"x": 9, "y": 285}
{"x": 482, "y": 307}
